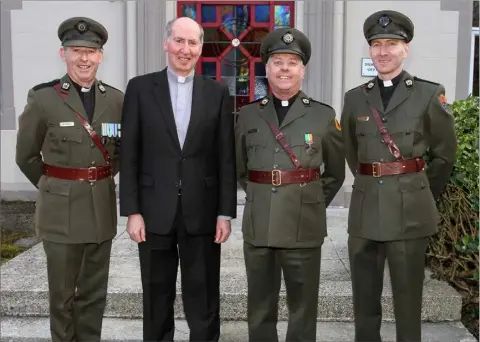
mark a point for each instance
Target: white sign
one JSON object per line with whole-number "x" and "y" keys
{"x": 368, "y": 70}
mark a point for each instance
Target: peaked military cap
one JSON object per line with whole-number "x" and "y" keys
{"x": 286, "y": 40}
{"x": 84, "y": 32}
{"x": 388, "y": 24}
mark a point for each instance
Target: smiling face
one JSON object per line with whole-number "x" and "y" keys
{"x": 388, "y": 56}
{"x": 183, "y": 46}
{"x": 82, "y": 63}
{"x": 285, "y": 74}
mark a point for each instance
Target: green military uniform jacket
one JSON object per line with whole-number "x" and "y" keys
{"x": 398, "y": 206}
{"x": 290, "y": 215}
{"x": 49, "y": 132}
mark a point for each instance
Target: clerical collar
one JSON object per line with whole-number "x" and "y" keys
{"x": 81, "y": 88}
{"x": 285, "y": 103}
{"x": 393, "y": 82}
{"x": 180, "y": 79}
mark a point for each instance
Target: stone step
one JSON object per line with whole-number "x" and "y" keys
{"x": 25, "y": 290}
{"x": 36, "y": 329}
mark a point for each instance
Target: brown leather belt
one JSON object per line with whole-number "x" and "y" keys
{"x": 90, "y": 174}
{"x": 279, "y": 177}
{"x": 378, "y": 169}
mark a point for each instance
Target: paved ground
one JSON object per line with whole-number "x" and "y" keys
{"x": 24, "y": 296}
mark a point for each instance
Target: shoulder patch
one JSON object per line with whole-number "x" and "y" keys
{"x": 46, "y": 85}
{"x": 111, "y": 87}
{"x": 426, "y": 81}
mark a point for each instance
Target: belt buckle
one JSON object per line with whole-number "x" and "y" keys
{"x": 376, "y": 169}
{"x": 92, "y": 170}
{"x": 278, "y": 181}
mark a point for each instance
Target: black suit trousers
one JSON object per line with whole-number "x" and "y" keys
{"x": 199, "y": 258}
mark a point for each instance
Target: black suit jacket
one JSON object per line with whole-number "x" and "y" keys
{"x": 153, "y": 166}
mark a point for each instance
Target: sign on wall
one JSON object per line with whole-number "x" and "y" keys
{"x": 368, "y": 70}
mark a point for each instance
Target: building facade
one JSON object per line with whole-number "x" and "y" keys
{"x": 441, "y": 50}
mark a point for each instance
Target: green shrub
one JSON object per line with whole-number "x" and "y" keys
{"x": 453, "y": 254}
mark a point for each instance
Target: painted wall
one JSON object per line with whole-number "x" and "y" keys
{"x": 35, "y": 48}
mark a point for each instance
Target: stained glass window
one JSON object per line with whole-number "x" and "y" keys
{"x": 233, "y": 32}
{"x": 189, "y": 10}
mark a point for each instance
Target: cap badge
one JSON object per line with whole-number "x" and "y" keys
{"x": 81, "y": 27}
{"x": 287, "y": 38}
{"x": 384, "y": 20}
{"x": 66, "y": 86}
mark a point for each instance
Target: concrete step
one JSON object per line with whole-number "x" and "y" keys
{"x": 25, "y": 290}
{"x": 37, "y": 329}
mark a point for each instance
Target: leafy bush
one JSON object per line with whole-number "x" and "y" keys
{"x": 453, "y": 253}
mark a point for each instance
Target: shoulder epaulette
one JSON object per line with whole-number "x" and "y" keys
{"x": 322, "y": 103}
{"x": 111, "y": 87}
{"x": 426, "y": 81}
{"x": 46, "y": 85}
{"x": 257, "y": 100}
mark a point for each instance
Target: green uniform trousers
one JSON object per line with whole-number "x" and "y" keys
{"x": 77, "y": 283}
{"x": 301, "y": 272}
{"x": 406, "y": 263}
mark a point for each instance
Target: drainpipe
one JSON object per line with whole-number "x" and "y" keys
{"x": 338, "y": 57}
{"x": 130, "y": 39}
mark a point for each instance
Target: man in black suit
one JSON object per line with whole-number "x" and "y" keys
{"x": 178, "y": 185}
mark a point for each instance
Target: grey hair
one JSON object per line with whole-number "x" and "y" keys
{"x": 168, "y": 30}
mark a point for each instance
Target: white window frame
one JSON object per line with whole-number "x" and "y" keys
{"x": 475, "y": 33}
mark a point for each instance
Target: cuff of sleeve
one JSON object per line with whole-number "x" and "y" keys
{"x": 222, "y": 217}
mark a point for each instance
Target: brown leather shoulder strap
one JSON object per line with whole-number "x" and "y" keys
{"x": 281, "y": 139}
{"x": 88, "y": 128}
{"x": 394, "y": 150}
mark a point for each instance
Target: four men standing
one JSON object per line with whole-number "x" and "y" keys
{"x": 178, "y": 182}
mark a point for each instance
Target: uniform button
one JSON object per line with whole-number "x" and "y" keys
{"x": 92, "y": 184}
{"x": 384, "y": 119}
{"x": 93, "y": 162}
{"x": 64, "y": 139}
{"x": 277, "y": 150}
{"x": 183, "y": 159}
{"x": 274, "y": 189}
{"x": 382, "y": 141}
{"x": 380, "y": 182}
{"x": 275, "y": 166}
{"x": 381, "y": 159}
{"x": 92, "y": 145}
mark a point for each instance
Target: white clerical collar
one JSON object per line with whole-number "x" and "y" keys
{"x": 181, "y": 79}
{"x": 85, "y": 90}
{"x": 284, "y": 103}
{"x": 388, "y": 83}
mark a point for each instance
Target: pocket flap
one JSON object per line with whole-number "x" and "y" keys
{"x": 65, "y": 134}
{"x": 56, "y": 186}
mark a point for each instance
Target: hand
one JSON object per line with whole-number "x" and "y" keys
{"x": 136, "y": 228}
{"x": 223, "y": 231}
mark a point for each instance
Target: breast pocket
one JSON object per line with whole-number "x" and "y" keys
{"x": 256, "y": 144}
{"x": 64, "y": 144}
{"x": 368, "y": 140}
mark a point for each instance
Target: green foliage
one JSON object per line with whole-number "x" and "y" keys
{"x": 453, "y": 254}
